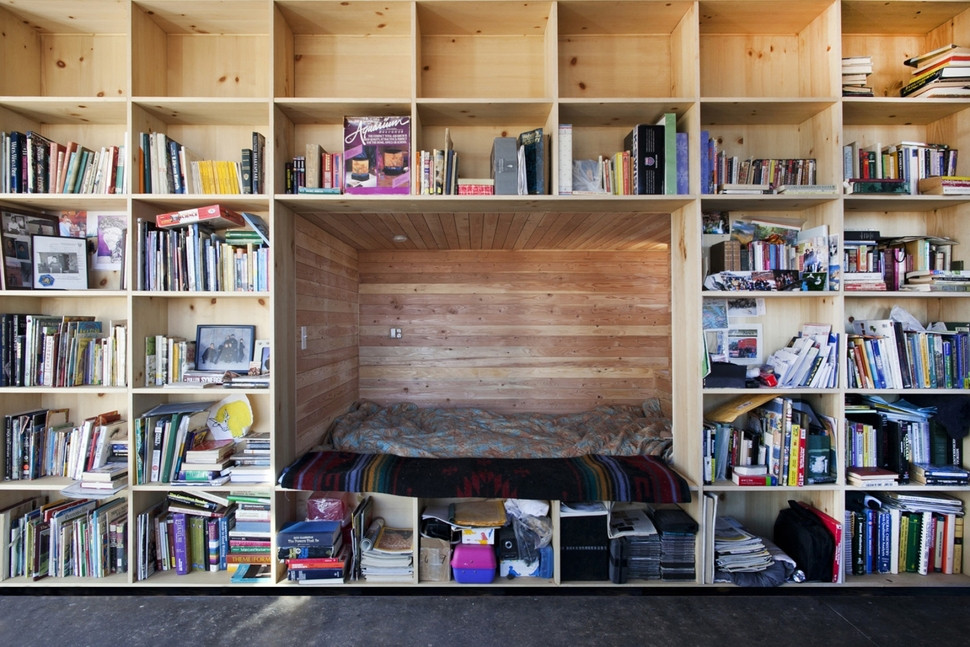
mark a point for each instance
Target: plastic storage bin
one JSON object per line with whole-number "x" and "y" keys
{"x": 473, "y": 563}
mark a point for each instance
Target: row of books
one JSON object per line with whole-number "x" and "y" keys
{"x": 898, "y": 435}
{"x": 168, "y": 359}
{"x": 316, "y": 172}
{"x": 881, "y": 354}
{"x": 33, "y": 163}
{"x": 166, "y": 166}
{"x": 904, "y": 532}
{"x": 808, "y": 360}
{"x": 64, "y": 537}
{"x": 45, "y": 442}
{"x": 654, "y": 161}
{"x": 897, "y": 168}
{"x": 201, "y": 530}
{"x": 723, "y": 173}
{"x": 768, "y": 440}
{"x": 192, "y": 256}
{"x": 62, "y": 351}
{"x": 436, "y": 170}
{"x": 163, "y": 435}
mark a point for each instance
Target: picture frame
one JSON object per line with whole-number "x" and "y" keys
{"x": 16, "y": 230}
{"x": 225, "y": 347}
{"x": 59, "y": 263}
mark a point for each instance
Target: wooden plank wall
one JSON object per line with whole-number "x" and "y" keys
{"x": 326, "y": 304}
{"x": 526, "y": 330}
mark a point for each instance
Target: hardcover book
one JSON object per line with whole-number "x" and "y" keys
{"x": 646, "y": 145}
{"x": 377, "y": 154}
{"x": 215, "y": 216}
{"x": 309, "y": 533}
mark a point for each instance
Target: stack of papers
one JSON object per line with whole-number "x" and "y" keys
{"x": 738, "y": 551}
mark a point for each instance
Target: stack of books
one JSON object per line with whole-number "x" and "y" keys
{"x": 855, "y": 76}
{"x": 871, "y": 477}
{"x": 251, "y": 460}
{"x": 313, "y": 551}
{"x": 931, "y": 474}
{"x": 102, "y": 481}
{"x": 942, "y": 72}
{"x": 386, "y": 553}
{"x": 250, "y": 542}
{"x": 206, "y": 462}
{"x": 944, "y": 185}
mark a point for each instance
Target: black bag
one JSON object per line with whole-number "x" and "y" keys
{"x": 803, "y": 536}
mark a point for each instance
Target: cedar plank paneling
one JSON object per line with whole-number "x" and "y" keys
{"x": 326, "y": 300}
{"x": 522, "y": 330}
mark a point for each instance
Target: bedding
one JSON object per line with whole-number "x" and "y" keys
{"x": 609, "y": 453}
{"x": 581, "y": 478}
{"x": 406, "y": 429}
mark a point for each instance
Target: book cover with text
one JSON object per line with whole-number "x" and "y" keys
{"x": 377, "y": 153}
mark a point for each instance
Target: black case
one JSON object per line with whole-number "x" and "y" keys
{"x": 803, "y": 536}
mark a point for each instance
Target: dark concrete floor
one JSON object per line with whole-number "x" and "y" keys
{"x": 853, "y": 617}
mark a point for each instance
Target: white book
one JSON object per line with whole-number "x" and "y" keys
{"x": 565, "y": 159}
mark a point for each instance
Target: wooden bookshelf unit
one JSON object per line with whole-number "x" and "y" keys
{"x": 568, "y": 301}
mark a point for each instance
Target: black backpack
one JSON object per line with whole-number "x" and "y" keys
{"x": 803, "y": 536}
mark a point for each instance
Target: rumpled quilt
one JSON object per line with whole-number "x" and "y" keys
{"x": 405, "y": 429}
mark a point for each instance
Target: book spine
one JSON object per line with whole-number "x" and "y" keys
{"x": 565, "y": 156}
{"x": 212, "y": 543}
{"x": 181, "y": 543}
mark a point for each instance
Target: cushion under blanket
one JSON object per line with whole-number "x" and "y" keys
{"x": 585, "y": 478}
{"x": 406, "y": 429}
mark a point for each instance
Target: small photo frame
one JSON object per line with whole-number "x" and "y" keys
{"x": 224, "y": 348}
{"x": 60, "y": 263}
{"x": 260, "y": 363}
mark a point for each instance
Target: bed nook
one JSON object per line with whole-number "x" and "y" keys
{"x": 522, "y": 354}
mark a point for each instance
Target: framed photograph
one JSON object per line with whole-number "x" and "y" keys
{"x": 224, "y": 348}
{"x": 60, "y": 263}
{"x": 16, "y": 230}
{"x": 260, "y": 363}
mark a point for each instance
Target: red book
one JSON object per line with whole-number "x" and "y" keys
{"x": 834, "y": 527}
{"x": 215, "y": 216}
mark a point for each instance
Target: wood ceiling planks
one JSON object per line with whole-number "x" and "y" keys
{"x": 535, "y": 230}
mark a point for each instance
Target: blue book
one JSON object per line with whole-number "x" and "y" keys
{"x": 309, "y": 533}
{"x": 251, "y": 526}
{"x": 683, "y": 173}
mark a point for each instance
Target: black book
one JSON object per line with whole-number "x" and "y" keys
{"x": 646, "y": 145}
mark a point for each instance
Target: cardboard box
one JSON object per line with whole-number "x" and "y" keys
{"x": 434, "y": 560}
{"x": 473, "y": 563}
{"x": 377, "y": 155}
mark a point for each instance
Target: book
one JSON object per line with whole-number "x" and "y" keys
{"x": 214, "y": 216}
{"x": 308, "y": 533}
{"x": 376, "y": 154}
{"x": 210, "y": 450}
{"x": 565, "y": 159}
{"x": 535, "y": 155}
{"x": 252, "y": 574}
{"x": 646, "y": 145}
{"x": 670, "y": 162}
